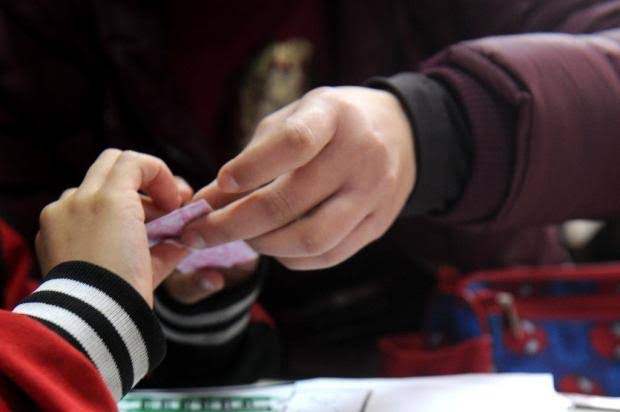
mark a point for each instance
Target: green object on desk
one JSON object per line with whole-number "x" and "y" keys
{"x": 175, "y": 403}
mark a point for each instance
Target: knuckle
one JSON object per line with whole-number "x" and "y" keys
{"x": 292, "y": 264}
{"x": 111, "y": 151}
{"x": 277, "y": 206}
{"x": 224, "y": 234}
{"x": 331, "y": 258}
{"x": 67, "y": 193}
{"x": 378, "y": 229}
{"x": 376, "y": 145}
{"x": 48, "y": 214}
{"x": 265, "y": 124}
{"x": 79, "y": 200}
{"x": 298, "y": 136}
{"x": 390, "y": 177}
{"x": 128, "y": 156}
{"x": 311, "y": 243}
{"x": 95, "y": 202}
{"x": 130, "y": 153}
{"x": 323, "y": 92}
{"x": 38, "y": 241}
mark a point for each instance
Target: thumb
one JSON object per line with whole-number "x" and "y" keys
{"x": 165, "y": 257}
{"x": 192, "y": 287}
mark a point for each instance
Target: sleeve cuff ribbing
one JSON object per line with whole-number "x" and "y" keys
{"x": 103, "y": 317}
{"x": 214, "y": 321}
{"x": 442, "y": 141}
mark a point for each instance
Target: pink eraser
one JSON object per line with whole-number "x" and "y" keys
{"x": 221, "y": 256}
{"x": 171, "y": 225}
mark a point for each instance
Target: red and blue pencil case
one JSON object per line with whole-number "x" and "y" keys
{"x": 559, "y": 319}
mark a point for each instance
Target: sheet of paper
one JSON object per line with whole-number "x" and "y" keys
{"x": 222, "y": 256}
{"x": 597, "y": 403}
{"x": 476, "y": 393}
{"x": 170, "y": 227}
{"x": 327, "y": 400}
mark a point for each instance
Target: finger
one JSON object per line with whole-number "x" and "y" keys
{"x": 317, "y": 232}
{"x": 165, "y": 257}
{"x": 151, "y": 211}
{"x": 185, "y": 190}
{"x": 269, "y": 121}
{"x": 362, "y": 235}
{"x": 282, "y": 148}
{"x": 270, "y": 207}
{"x": 215, "y": 196}
{"x": 41, "y": 255}
{"x": 68, "y": 193}
{"x": 99, "y": 170}
{"x": 191, "y": 288}
{"x": 238, "y": 273}
{"x": 140, "y": 172}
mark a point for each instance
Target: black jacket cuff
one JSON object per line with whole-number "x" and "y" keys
{"x": 214, "y": 321}
{"x": 441, "y": 139}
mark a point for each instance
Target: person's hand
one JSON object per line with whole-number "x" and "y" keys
{"x": 189, "y": 288}
{"x": 321, "y": 178}
{"x": 102, "y": 221}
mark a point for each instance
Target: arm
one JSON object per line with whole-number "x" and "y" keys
{"x": 92, "y": 319}
{"x": 541, "y": 113}
{"x": 536, "y": 110}
{"x": 79, "y": 342}
{"x": 227, "y": 331}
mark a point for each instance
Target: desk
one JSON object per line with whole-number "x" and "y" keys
{"x": 480, "y": 393}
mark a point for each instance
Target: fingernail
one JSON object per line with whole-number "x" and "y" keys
{"x": 206, "y": 284}
{"x": 227, "y": 183}
{"x": 211, "y": 281}
{"x": 194, "y": 240}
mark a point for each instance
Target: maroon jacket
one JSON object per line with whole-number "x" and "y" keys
{"x": 537, "y": 82}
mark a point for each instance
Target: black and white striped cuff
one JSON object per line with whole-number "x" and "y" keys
{"x": 214, "y": 321}
{"x": 103, "y": 317}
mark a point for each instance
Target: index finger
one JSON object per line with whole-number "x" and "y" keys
{"x": 216, "y": 197}
{"x": 281, "y": 148}
{"x": 134, "y": 171}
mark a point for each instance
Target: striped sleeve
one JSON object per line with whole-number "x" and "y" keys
{"x": 103, "y": 317}
{"x": 215, "y": 321}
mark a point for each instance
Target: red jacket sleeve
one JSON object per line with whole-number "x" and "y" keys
{"x": 39, "y": 370}
{"x": 16, "y": 279}
{"x": 80, "y": 341}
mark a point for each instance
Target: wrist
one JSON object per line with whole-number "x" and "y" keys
{"x": 443, "y": 152}
{"x": 214, "y": 321}
{"x": 103, "y": 317}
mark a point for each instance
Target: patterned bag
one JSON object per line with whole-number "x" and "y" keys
{"x": 559, "y": 319}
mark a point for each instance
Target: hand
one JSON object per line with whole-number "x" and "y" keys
{"x": 102, "y": 221}
{"x": 321, "y": 178}
{"x": 189, "y": 288}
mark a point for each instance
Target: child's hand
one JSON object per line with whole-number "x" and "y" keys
{"x": 102, "y": 221}
{"x": 191, "y": 288}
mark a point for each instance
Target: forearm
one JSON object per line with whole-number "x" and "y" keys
{"x": 540, "y": 123}
{"x": 104, "y": 319}
{"x": 222, "y": 332}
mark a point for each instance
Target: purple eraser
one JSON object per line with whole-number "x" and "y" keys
{"x": 222, "y": 256}
{"x": 171, "y": 225}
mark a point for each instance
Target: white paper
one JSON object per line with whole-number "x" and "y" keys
{"x": 477, "y": 393}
